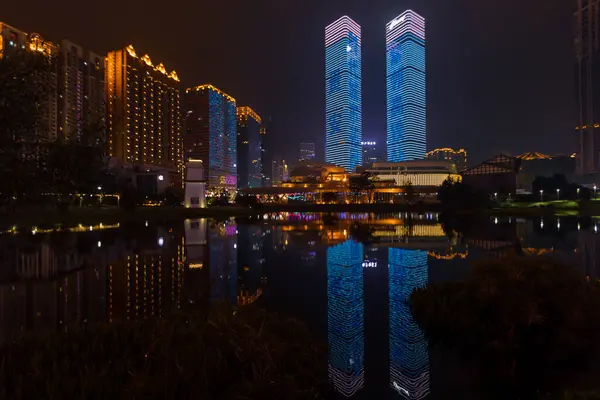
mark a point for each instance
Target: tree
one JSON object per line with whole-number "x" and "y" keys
{"x": 329, "y": 197}
{"x": 455, "y": 195}
{"x": 360, "y": 185}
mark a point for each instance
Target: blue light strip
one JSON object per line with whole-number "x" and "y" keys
{"x": 343, "y": 94}
{"x": 345, "y": 317}
{"x": 406, "y": 88}
{"x": 222, "y": 138}
{"x": 409, "y": 358}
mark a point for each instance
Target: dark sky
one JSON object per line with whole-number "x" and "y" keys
{"x": 499, "y": 72}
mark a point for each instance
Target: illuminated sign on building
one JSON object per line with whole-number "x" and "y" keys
{"x": 369, "y": 264}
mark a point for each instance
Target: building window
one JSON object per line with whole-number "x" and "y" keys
{"x": 195, "y": 200}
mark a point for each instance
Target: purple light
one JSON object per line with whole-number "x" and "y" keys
{"x": 230, "y": 180}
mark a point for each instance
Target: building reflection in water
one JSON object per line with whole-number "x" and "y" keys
{"x": 53, "y": 281}
{"x": 250, "y": 263}
{"x": 148, "y": 283}
{"x": 409, "y": 359}
{"x": 196, "y": 275}
{"x": 345, "y": 317}
{"x": 223, "y": 261}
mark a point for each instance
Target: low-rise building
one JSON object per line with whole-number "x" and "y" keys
{"x": 496, "y": 175}
{"x": 418, "y": 173}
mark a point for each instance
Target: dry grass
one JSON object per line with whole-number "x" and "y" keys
{"x": 249, "y": 354}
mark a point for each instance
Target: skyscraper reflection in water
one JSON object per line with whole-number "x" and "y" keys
{"x": 223, "y": 261}
{"x": 345, "y": 317}
{"x": 409, "y": 359}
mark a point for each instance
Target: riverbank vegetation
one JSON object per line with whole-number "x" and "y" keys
{"x": 530, "y": 325}
{"x": 227, "y": 354}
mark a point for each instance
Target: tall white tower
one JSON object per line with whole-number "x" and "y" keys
{"x": 195, "y": 184}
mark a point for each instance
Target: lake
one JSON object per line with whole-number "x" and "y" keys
{"x": 347, "y": 276}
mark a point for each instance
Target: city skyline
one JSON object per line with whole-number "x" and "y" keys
{"x": 491, "y": 77}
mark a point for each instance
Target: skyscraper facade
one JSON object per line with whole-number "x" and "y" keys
{"x": 249, "y": 155}
{"x": 587, "y": 84}
{"x": 210, "y": 134}
{"x": 13, "y": 40}
{"x": 307, "y": 151}
{"x": 343, "y": 93}
{"x": 264, "y": 164}
{"x": 81, "y": 105}
{"x": 406, "y": 87}
{"x": 73, "y": 100}
{"x": 144, "y": 116}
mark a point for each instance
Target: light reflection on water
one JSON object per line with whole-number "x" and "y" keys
{"x": 348, "y": 282}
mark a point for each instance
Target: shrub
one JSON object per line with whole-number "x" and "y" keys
{"x": 529, "y": 320}
{"x": 229, "y": 354}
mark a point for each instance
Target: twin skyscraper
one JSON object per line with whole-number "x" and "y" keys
{"x": 406, "y": 93}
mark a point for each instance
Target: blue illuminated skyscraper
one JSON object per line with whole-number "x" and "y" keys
{"x": 343, "y": 94}
{"x": 409, "y": 359}
{"x": 406, "y": 93}
{"x": 210, "y": 134}
{"x": 346, "y": 317}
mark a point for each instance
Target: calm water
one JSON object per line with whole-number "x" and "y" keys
{"x": 347, "y": 283}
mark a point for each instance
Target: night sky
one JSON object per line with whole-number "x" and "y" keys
{"x": 499, "y": 72}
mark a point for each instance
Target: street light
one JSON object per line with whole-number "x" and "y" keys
{"x": 541, "y": 195}
{"x": 558, "y": 194}
{"x": 595, "y": 187}
{"x": 496, "y": 196}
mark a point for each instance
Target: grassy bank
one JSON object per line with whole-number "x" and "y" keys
{"x": 226, "y": 355}
{"x": 528, "y": 324}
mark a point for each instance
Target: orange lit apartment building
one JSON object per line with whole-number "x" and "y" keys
{"x": 143, "y": 104}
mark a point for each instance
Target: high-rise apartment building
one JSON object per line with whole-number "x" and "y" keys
{"x": 249, "y": 154}
{"x": 74, "y": 89}
{"x": 587, "y": 83}
{"x": 210, "y": 134}
{"x": 143, "y": 104}
{"x": 266, "y": 175}
{"x": 81, "y": 103}
{"x": 307, "y": 151}
{"x": 13, "y": 40}
{"x": 406, "y": 87}
{"x": 279, "y": 173}
{"x": 369, "y": 152}
{"x": 343, "y": 93}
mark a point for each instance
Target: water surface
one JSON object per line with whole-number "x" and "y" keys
{"x": 346, "y": 275}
